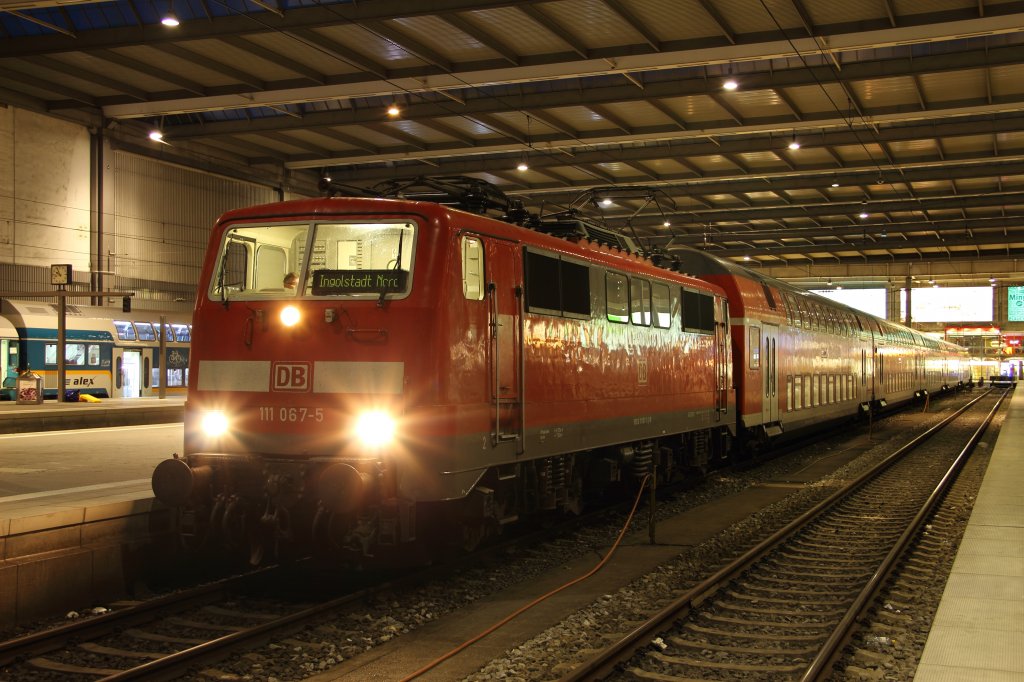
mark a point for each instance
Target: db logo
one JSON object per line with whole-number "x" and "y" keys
{"x": 291, "y": 376}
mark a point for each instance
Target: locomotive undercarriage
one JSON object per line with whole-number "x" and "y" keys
{"x": 261, "y": 508}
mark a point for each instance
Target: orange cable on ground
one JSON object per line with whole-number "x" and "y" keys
{"x": 473, "y": 640}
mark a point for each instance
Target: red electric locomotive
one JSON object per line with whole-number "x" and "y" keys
{"x": 434, "y": 374}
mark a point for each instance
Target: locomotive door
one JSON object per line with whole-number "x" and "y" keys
{"x": 504, "y": 296}
{"x": 770, "y": 374}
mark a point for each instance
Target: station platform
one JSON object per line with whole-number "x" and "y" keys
{"x": 51, "y": 415}
{"x": 978, "y": 631}
{"x": 77, "y": 526}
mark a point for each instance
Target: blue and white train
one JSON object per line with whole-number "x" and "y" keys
{"x": 108, "y": 353}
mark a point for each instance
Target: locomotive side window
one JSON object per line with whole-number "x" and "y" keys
{"x": 617, "y": 295}
{"x": 698, "y": 312}
{"x": 542, "y": 284}
{"x": 557, "y": 287}
{"x": 662, "y": 305}
{"x": 640, "y": 302}
{"x": 575, "y": 281}
{"x": 472, "y": 268}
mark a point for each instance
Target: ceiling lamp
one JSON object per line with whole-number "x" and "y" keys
{"x": 730, "y": 84}
{"x": 606, "y": 202}
{"x": 746, "y": 258}
{"x": 667, "y": 224}
{"x": 170, "y": 19}
{"x": 393, "y": 110}
{"x": 156, "y": 135}
{"x": 523, "y": 166}
{"x": 794, "y": 145}
{"x": 863, "y": 210}
{"x": 835, "y": 183}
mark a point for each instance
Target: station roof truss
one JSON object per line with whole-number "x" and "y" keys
{"x": 909, "y": 114}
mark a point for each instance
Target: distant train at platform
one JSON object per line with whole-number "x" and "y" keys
{"x": 108, "y": 353}
{"x": 437, "y": 373}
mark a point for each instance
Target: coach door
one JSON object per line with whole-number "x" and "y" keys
{"x": 770, "y": 374}
{"x": 504, "y": 299}
{"x": 127, "y": 373}
{"x": 723, "y": 362}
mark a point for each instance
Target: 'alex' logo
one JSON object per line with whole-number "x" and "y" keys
{"x": 291, "y": 376}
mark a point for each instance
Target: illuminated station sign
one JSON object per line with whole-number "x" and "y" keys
{"x": 1015, "y": 304}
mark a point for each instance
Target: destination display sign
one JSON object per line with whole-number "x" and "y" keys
{"x": 335, "y": 282}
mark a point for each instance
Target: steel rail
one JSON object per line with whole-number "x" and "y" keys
{"x": 603, "y": 663}
{"x": 823, "y": 660}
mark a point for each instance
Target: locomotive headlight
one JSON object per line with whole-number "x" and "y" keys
{"x": 214, "y": 424}
{"x": 290, "y": 316}
{"x": 375, "y": 428}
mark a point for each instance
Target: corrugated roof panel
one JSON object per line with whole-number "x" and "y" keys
{"x": 967, "y": 144}
{"x": 914, "y": 148}
{"x": 1007, "y": 80}
{"x": 809, "y": 154}
{"x": 857, "y": 153}
{"x": 847, "y": 12}
{"x": 517, "y": 31}
{"x": 695, "y": 109}
{"x": 1010, "y": 140}
{"x": 884, "y": 92}
{"x": 715, "y": 163}
{"x": 298, "y": 51}
{"x": 749, "y": 16}
{"x": 977, "y": 185}
{"x": 604, "y": 28}
{"x": 324, "y": 139}
{"x": 952, "y": 86}
{"x": 668, "y": 167}
{"x": 911, "y": 7}
{"x": 637, "y": 113}
{"x": 760, "y": 160}
{"x": 438, "y": 35}
{"x": 219, "y": 51}
{"x": 368, "y": 44}
{"x": 581, "y": 118}
{"x": 811, "y": 99}
{"x": 755, "y": 103}
{"x": 192, "y": 71}
{"x": 675, "y": 19}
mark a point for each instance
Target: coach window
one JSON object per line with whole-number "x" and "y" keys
{"x": 93, "y": 355}
{"x": 617, "y": 294}
{"x": 472, "y": 268}
{"x": 640, "y": 302}
{"x": 182, "y": 332}
{"x": 662, "y": 305}
{"x": 754, "y": 344}
{"x": 125, "y": 330}
{"x": 145, "y": 331}
{"x": 789, "y": 393}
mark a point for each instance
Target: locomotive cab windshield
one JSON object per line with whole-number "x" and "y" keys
{"x": 350, "y": 259}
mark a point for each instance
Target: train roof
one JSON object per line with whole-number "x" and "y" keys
{"x": 25, "y": 311}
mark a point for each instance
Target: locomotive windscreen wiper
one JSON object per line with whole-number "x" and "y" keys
{"x": 398, "y": 264}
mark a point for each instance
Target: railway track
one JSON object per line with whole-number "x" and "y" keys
{"x": 784, "y": 609}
